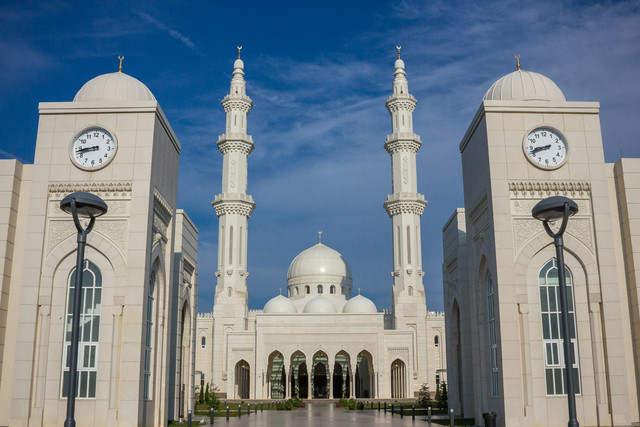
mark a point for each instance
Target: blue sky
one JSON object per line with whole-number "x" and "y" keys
{"x": 319, "y": 73}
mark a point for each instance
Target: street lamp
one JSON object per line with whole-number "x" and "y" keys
{"x": 79, "y": 205}
{"x": 551, "y": 209}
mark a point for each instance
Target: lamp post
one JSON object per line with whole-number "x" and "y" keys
{"x": 79, "y": 205}
{"x": 552, "y": 209}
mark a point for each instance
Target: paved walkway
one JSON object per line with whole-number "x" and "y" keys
{"x": 320, "y": 414}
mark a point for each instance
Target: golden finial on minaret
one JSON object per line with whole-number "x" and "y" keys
{"x": 239, "y": 49}
{"x": 120, "y": 57}
{"x": 398, "y": 47}
{"x": 319, "y": 236}
{"x": 517, "y": 61}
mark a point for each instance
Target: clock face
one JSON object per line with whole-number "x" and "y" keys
{"x": 93, "y": 148}
{"x": 545, "y": 147}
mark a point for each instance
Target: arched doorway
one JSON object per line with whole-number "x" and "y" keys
{"x": 363, "y": 379}
{"x": 341, "y": 376}
{"x": 277, "y": 376}
{"x": 299, "y": 376}
{"x": 242, "y": 372}
{"x": 398, "y": 379}
{"x": 320, "y": 376}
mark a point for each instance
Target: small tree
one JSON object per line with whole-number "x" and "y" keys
{"x": 438, "y": 398}
{"x": 424, "y": 396}
{"x": 206, "y": 394}
{"x": 213, "y": 400}
{"x": 443, "y": 401}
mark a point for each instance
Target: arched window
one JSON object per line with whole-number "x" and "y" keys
{"x": 307, "y": 289}
{"x": 229, "y": 291}
{"x": 89, "y": 330}
{"x": 295, "y": 290}
{"x": 551, "y": 330}
{"x": 203, "y": 342}
{"x": 149, "y": 336}
{"x": 493, "y": 340}
{"x": 332, "y": 289}
{"x": 319, "y": 289}
{"x": 343, "y": 291}
{"x": 436, "y": 341}
{"x": 410, "y": 290}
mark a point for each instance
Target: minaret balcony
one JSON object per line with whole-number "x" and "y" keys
{"x": 402, "y": 141}
{"x": 401, "y": 102}
{"x": 405, "y": 203}
{"x": 236, "y": 102}
{"x": 233, "y": 203}
{"x": 228, "y": 142}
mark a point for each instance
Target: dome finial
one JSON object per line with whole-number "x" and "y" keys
{"x": 398, "y": 47}
{"x": 358, "y": 291}
{"x": 517, "y": 61}
{"x": 120, "y": 57}
{"x": 239, "y": 49}
{"x": 319, "y": 236}
{"x": 280, "y": 291}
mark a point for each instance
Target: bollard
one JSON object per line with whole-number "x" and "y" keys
{"x": 227, "y": 412}
{"x": 255, "y": 408}
{"x": 392, "y": 409}
{"x": 248, "y": 409}
{"x": 429, "y": 415}
{"x": 401, "y": 411}
{"x": 211, "y": 414}
{"x": 385, "y": 408}
{"x": 261, "y": 408}
{"x": 413, "y": 412}
{"x": 239, "y": 411}
{"x": 189, "y": 417}
{"x": 378, "y": 406}
{"x": 452, "y": 421}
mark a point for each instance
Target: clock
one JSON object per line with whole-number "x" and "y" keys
{"x": 545, "y": 148}
{"x": 93, "y": 148}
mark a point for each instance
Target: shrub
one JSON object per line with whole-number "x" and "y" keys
{"x": 360, "y": 405}
{"x": 424, "y": 396}
{"x": 344, "y": 403}
{"x": 443, "y": 401}
{"x": 352, "y": 404}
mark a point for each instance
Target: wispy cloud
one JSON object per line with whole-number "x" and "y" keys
{"x": 171, "y": 31}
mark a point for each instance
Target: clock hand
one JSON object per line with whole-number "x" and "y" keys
{"x": 544, "y": 147}
{"x": 81, "y": 150}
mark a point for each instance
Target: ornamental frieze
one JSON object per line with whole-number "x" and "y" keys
{"x": 397, "y": 145}
{"x": 395, "y": 207}
{"x": 57, "y": 191}
{"x": 237, "y": 104}
{"x": 238, "y": 207}
{"x": 543, "y": 189}
{"x": 231, "y": 145}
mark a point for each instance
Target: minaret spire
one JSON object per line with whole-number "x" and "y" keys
{"x": 405, "y": 205}
{"x": 233, "y": 205}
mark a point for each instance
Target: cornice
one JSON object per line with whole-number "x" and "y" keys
{"x": 405, "y": 204}
{"x": 228, "y": 143}
{"x": 225, "y": 204}
{"x": 104, "y": 189}
{"x": 398, "y": 142}
{"x": 242, "y": 104}
{"x": 536, "y": 189}
{"x": 396, "y": 103}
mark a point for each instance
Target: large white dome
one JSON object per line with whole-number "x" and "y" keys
{"x": 280, "y": 304}
{"x": 524, "y": 85}
{"x": 320, "y": 304}
{"x": 114, "y": 87}
{"x": 359, "y": 304}
{"x": 319, "y": 260}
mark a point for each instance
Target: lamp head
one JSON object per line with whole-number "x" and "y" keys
{"x": 552, "y": 208}
{"x": 88, "y": 205}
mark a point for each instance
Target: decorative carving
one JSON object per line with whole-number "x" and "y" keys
{"x": 242, "y": 104}
{"x": 526, "y": 228}
{"x": 115, "y": 230}
{"x": 395, "y": 144}
{"x": 405, "y": 170}
{"x": 401, "y": 102}
{"x": 542, "y": 189}
{"x": 161, "y": 207}
{"x": 238, "y": 207}
{"x": 59, "y": 190}
{"x": 233, "y": 173}
{"x": 237, "y": 144}
{"x": 478, "y": 209}
{"x": 395, "y": 206}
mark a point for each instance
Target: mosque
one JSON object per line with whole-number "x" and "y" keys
{"x": 320, "y": 340}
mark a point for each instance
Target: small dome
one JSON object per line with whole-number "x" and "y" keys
{"x": 399, "y": 63}
{"x": 319, "y": 260}
{"x": 359, "y": 304}
{"x": 238, "y": 64}
{"x": 114, "y": 87}
{"x": 280, "y": 304}
{"x": 320, "y": 304}
{"x": 524, "y": 85}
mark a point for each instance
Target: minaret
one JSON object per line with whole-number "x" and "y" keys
{"x": 234, "y": 206}
{"x": 405, "y": 205}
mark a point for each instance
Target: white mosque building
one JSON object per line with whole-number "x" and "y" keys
{"x": 320, "y": 340}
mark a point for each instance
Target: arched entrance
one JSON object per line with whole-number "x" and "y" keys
{"x": 341, "y": 376}
{"x": 398, "y": 379}
{"x": 277, "y": 376}
{"x": 320, "y": 376}
{"x": 242, "y": 372}
{"x": 299, "y": 376}
{"x": 363, "y": 379}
